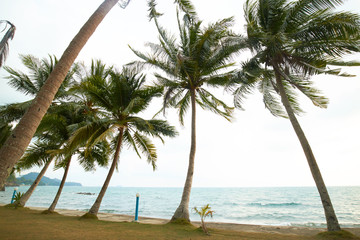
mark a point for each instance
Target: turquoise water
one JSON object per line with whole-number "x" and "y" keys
{"x": 296, "y": 206}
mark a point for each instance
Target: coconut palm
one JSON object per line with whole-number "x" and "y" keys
{"x": 199, "y": 58}
{"x": 4, "y": 43}
{"x": 292, "y": 41}
{"x": 63, "y": 121}
{"x": 52, "y": 134}
{"x": 14, "y": 147}
{"x": 120, "y": 97}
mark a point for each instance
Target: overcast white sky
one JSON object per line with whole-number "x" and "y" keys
{"x": 255, "y": 150}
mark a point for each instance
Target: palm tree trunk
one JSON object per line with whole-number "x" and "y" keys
{"x": 96, "y": 206}
{"x": 56, "y": 199}
{"x": 15, "y": 145}
{"x": 30, "y": 191}
{"x": 331, "y": 219}
{"x": 182, "y": 212}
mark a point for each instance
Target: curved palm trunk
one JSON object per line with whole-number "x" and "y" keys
{"x": 96, "y": 206}
{"x": 15, "y": 145}
{"x": 331, "y": 219}
{"x": 30, "y": 191}
{"x": 56, "y": 199}
{"x": 182, "y": 212}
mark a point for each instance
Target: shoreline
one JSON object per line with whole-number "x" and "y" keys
{"x": 288, "y": 230}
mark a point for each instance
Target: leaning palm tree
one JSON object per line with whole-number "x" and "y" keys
{"x": 14, "y": 147}
{"x": 4, "y": 43}
{"x": 199, "y": 58}
{"x": 63, "y": 121}
{"x": 292, "y": 41}
{"x": 52, "y": 134}
{"x": 120, "y": 97}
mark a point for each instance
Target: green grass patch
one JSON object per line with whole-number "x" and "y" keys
{"x": 89, "y": 216}
{"x": 32, "y": 225}
{"x": 49, "y": 212}
{"x": 337, "y": 235}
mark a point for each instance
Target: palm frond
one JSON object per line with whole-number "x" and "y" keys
{"x": 209, "y": 101}
{"x": 146, "y": 147}
{"x": 4, "y": 43}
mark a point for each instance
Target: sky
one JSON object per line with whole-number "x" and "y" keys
{"x": 254, "y": 150}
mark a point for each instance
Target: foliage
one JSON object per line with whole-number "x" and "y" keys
{"x": 118, "y": 97}
{"x": 197, "y": 58}
{"x": 4, "y": 43}
{"x": 204, "y": 212}
{"x": 294, "y": 41}
{"x": 18, "y": 196}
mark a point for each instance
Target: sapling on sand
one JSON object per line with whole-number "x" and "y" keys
{"x": 203, "y": 213}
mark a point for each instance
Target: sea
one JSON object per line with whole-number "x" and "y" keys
{"x": 277, "y": 206}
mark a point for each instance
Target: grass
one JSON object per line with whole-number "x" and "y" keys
{"x": 31, "y": 224}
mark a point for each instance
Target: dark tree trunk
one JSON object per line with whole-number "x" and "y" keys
{"x": 96, "y": 206}
{"x": 63, "y": 180}
{"x": 15, "y": 145}
{"x": 33, "y": 186}
{"x": 182, "y": 212}
{"x": 331, "y": 219}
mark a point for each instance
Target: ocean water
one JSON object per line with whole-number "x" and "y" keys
{"x": 281, "y": 206}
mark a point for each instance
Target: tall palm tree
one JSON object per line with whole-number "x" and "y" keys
{"x": 120, "y": 97}
{"x": 200, "y": 57}
{"x": 292, "y": 41}
{"x": 15, "y": 146}
{"x": 4, "y": 43}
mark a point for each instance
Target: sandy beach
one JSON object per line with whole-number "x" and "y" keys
{"x": 288, "y": 230}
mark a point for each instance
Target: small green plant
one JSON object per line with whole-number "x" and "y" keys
{"x": 18, "y": 196}
{"x": 203, "y": 213}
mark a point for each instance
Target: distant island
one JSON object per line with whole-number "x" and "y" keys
{"x": 29, "y": 178}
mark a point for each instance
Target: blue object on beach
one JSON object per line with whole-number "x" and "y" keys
{"x": 13, "y": 196}
{"x": 137, "y": 207}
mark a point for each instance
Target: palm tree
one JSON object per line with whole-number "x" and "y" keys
{"x": 15, "y": 146}
{"x": 52, "y": 134}
{"x": 120, "y": 97}
{"x": 292, "y": 41}
{"x": 199, "y": 58}
{"x": 62, "y": 121}
{"x": 4, "y": 43}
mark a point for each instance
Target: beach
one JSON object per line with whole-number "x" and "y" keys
{"x": 284, "y": 230}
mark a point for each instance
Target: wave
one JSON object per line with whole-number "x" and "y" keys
{"x": 288, "y": 204}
